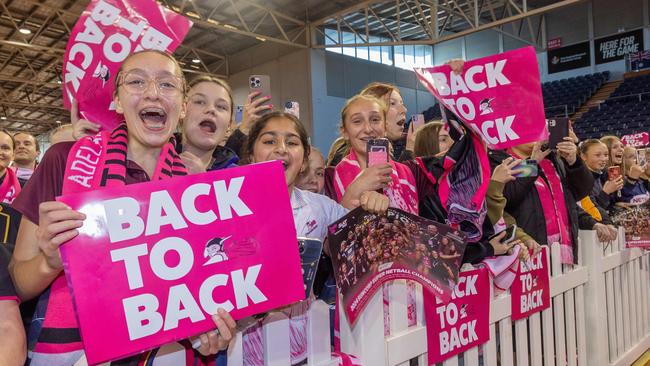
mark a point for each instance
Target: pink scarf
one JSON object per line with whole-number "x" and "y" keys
{"x": 401, "y": 191}
{"x": 94, "y": 162}
{"x": 551, "y": 195}
{"x": 10, "y": 186}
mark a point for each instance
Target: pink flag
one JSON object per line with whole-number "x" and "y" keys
{"x": 153, "y": 260}
{"x": 105, "y": 34}
{"x": 499, "y": 97}
{"x": 530, "y": 293}
{"x": 462, "y": 323}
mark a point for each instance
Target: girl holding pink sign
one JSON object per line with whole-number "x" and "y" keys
{"x": 140, "y": 149}
{"x": 281, "y": 136}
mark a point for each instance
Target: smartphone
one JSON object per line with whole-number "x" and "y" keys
{"x": 417, "y": 121}
{"x": 613, "y": 172}
{"x": 528, "y": 168}
{"x": 310, "y": 251}
{"x": 558, "y": 129}
{"x": 292, "y": 107}
{"x": 261, "y": 83}
{"x": 377, "y": 152}
{"x": 641, "y": 157}
{"x": 239, "y": 113}
{"x": 511, "y": 234}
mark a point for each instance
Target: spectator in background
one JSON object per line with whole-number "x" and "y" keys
{"x": 596, "y": 156}
{"x": 395, "y": 120}
{"x": 545, "y": 206}
{"x": 10, "y": 186}
{"x": 26, "y": 151}
{"x": 209, "y": 116}
{"x": 614, "y": 148}
{"x": 313, "y": 178}
{"x": 432, "y": 140}
{"x": 13, "y": 348}
{"x": 634, "y": 191}
{"x": 62, "y": 133}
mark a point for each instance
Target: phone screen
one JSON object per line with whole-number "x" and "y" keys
{"x": 528, "y": 169}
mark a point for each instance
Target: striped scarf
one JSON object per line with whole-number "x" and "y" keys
{"x": 93, "y": 162}
{"x": 10, "y": 187}
{"x": 401, "y": 191}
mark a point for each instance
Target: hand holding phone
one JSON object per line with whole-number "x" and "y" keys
{"x": 503, "y": 241}
{"x": 613, "y": 172}
{"x": 641, "y": 157}
{"x": 377, "y": 150}
{"x": 528, "y": 168}
{"x": 417, "y": 121}
{"x": 260, "y": 84}
{"x": 558, "y": 129}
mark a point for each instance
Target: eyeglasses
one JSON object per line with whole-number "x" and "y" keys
{"x": 136, "y": 83}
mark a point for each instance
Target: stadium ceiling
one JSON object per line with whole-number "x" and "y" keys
{"x": 34, "y": 34}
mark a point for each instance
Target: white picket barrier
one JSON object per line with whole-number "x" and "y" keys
{"x": 599, "y": 315}
{"x": 276, "y": 336}
{"x": 619, "y": 308}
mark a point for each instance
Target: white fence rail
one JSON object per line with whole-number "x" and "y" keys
{"x": 599, "y": 315}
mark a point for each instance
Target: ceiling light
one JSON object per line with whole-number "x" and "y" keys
{"x": 25, "y": 31}
{"x": 58, "y": 81}
{"x": 196, "y": 61}
{"x": 3, "y": 118}
{"x": 230, "y": 26}
{"x": 58, "y": 122}
{"x": 261, "y": 39}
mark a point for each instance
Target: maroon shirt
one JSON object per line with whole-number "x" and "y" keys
{"x": 47, "y": 181}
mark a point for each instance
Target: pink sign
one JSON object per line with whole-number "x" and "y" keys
{"x": 639, "y": 139}
{"x": 462, "y": 323}
{"x": 499, "y": 97}
{"x": 530, "y": 292}
{"x": 554, "y": 43}
{"x": 105, "y": 34}
{"x": 156, "y": 259}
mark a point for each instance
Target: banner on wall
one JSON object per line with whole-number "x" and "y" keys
{"x": 615, "y": 47}
{"x": 369, "y": 250}
{"x": 160, "y": 258}
{"x": 568, "y": 58}
{"x": 530, "y": 292}
{"x": 499, "y": 97}
{"x": 105, "y": 34}
{"x": 463, "y": 322}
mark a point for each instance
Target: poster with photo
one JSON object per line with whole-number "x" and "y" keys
{"x": 636, "y": 221}
{"x": 368, "y": 250}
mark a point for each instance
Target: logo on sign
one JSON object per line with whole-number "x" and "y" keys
{"x": 215, "y": 250}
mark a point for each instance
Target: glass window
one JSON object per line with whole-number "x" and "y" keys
{"x": 387, "y": 55}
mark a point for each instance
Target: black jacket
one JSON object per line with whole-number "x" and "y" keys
{"x": 600, "y": 199}
{"x": 524, "y": 204}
